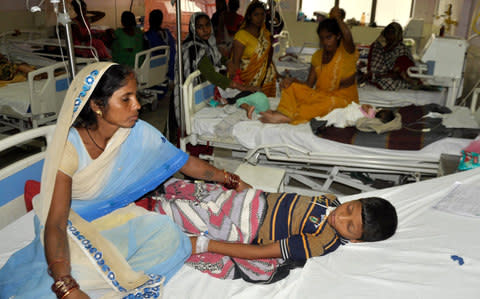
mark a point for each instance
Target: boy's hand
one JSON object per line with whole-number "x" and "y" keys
{"x": 193, "y": 240}
{"x": 242, "y": 186}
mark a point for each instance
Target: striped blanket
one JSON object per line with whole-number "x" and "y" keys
{"x": 220, "y": 214}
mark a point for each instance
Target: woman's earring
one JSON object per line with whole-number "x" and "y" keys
{"x": 99, "y": 112}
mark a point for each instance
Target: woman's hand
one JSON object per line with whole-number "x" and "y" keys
{"x": 335, "y": 13}
{"x": 285, "y": 83}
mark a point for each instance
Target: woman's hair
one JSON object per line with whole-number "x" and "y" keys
{"x": 128, "y": 19}
{"x": 113, "y": 79}
{"x": 251, "y": 8}
{"x": 379, "y": 219}
{"x": 76, "y": 5}
{"x": 233, "y": 5}
{"x": 220, "y": 5}
{"x": 330, "y": 25}
{"x": 155, "y": 19}
{"x": 202, "y": 16}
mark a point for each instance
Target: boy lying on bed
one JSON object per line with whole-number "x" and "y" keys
{"x": 278, "y": 228}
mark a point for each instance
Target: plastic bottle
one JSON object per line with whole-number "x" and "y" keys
{"x": 362, "y": 19}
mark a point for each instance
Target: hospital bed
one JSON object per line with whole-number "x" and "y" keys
{"x": 29, "y": 46}
{"x": 444, "y": 58}
{"x": 33, "y": 103}
{"x": 305, "y": 157}
{"x": 434, "y": 253}
{"x": 151, "y": 68}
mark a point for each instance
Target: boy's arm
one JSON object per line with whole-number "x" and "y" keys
{"x": 245, "y": 251}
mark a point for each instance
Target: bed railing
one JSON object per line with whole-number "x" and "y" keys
{"x": 195, "y": 97}
{"x": 151, "y": 66}
{"x": 14, "y": 175}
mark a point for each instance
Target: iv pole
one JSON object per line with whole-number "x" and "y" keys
{"x": 64, "y": 19}
{"x": 179, "y": 62}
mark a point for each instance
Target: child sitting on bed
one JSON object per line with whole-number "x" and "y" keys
{"x": 348, "y": 116}
{"x": 271, "y": 225}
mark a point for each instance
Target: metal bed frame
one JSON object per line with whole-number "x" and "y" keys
{"x": 309, "y": 168}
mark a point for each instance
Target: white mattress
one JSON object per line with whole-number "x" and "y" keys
{"x": 15, "y": 96}
{"x": 370, "y": 94}
{"x": 415, "y": 263}
{"x": 253, "y": 133}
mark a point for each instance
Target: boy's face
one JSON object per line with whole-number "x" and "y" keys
{"x": 347, "y": 220}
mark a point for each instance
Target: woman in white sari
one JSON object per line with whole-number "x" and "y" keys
{"x": 101, "y": 159}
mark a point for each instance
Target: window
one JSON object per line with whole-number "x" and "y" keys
{"x": 386, "y": 11}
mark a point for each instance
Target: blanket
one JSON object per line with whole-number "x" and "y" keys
{"x": 416, "y": 132}
{"x": 220, "y": 214}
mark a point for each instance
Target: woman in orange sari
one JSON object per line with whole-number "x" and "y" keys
{"x": 252, "y": 51}
{"x": 331, "y": 82}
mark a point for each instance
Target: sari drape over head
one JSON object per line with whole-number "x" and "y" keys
{"x": 383, "y": 60}
{"x": 113, "y": 243}
{"x": 193, "y": 50}
{"x": 301, "y": 103}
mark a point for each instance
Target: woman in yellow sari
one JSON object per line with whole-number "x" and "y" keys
{"x": 331, "y": 82}
{"x": 252, "y": 51}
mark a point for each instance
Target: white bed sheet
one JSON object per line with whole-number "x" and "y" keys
{"x": 415, "y": 263}
{"x": 251, "y": 134}
{"x": 16, "y": 97}
{"x": 370, "y": 94}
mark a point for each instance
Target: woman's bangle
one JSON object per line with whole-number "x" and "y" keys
{"x": 68, "y": 292}
{"x": 231, "y": 181}
{"x": 63, "y": 286}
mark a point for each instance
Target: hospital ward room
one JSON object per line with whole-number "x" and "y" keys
{"x": 239, "y": 149}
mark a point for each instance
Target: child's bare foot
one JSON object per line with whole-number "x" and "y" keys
{"x": 250, "y": 112}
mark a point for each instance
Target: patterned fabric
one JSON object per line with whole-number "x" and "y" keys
{"x": 225, "y": 215}
{"x": 193, "y": 50}
{"x": 301, "y": 103}
{"x": 256, "y": 65}
{"x": 299, "y": 223}
{"x": 410, "y": 137}
{"x": 383, "y": 60}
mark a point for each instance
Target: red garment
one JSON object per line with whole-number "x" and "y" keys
{"x": 233, "y": 21}
{"x": 81, "y": 37}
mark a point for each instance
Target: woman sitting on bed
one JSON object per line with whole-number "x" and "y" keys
{"x": 389, "y": 59}
{"x": 101, "y": 159}
{"x": 200, "y": 52}
{"x": 252, "y": 51}
{"x": 331, "y": 82}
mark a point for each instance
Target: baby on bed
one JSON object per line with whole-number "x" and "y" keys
{"x": 282, "y": 230}
{"x": 348, "y": 116}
